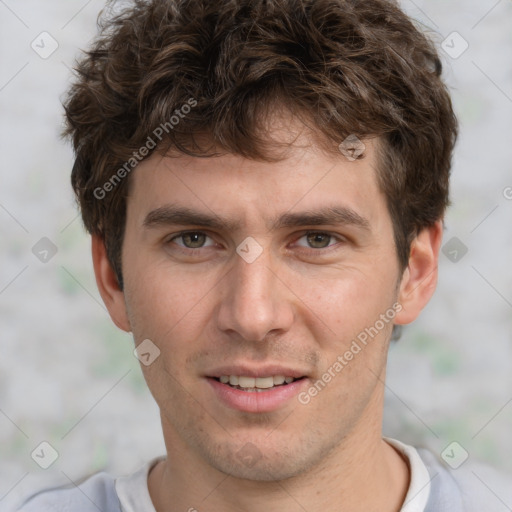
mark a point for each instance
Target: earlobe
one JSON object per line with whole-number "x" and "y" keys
{"x": 420, "y": 277}
{"x": 106, "y": 280}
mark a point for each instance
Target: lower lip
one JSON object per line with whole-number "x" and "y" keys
{"x": 257, "y": 401}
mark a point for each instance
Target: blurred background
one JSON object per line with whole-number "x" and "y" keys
{"x": 69, "y": 378}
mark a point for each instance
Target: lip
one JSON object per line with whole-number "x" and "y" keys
{"x": 257, "y": 401}
{"x": 251, "y": 371}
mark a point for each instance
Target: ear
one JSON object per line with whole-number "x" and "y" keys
{"x": 106, "y": 280}
{"x": 420, "y": 277}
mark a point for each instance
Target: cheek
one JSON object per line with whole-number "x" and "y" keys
{"x": 170, "y": 310}
{"x": 346, "y": 305}
{"x": 166, "y": 303}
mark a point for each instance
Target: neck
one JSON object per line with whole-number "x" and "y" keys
{"x": 363, "y": 473}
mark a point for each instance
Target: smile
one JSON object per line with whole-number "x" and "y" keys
{"x": 255, "y": 384}
{"x": 256, "y": 394}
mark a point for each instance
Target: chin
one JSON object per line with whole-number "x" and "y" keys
{"x": 261, "y": 462}
{"x": 263, "y": 470}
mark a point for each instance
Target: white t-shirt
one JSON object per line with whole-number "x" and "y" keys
{"x": 433, "y": 487}
{"x": 133, "y": 492}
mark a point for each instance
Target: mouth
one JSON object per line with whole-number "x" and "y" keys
{"x": 255, "y": 390}
{"x": 256, "y": 384}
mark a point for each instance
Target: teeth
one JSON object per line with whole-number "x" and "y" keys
{"x": 264, "y": 382}
{"x": 245, "y": 382}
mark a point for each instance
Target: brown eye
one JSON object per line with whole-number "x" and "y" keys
{"x": 318, "y": 240}
{"x": 191, "y": 240}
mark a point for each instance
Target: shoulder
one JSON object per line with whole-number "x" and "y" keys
{"x": 93, "y": 494}
{"x": 472, "y": 487}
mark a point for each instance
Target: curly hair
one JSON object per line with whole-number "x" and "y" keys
{"x": 347, "y": 67}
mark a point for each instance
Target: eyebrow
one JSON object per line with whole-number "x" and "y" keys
{"x": 178, "y": 215}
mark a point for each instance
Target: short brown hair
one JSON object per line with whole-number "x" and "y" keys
{"x": 349, "y": 66}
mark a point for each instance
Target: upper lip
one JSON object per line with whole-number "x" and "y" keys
{"x": 253, "y": 371}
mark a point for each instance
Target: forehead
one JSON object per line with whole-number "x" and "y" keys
{"x": 232, "y": 194}
{"x": 304, "y": 178}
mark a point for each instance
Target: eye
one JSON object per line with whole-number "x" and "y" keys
{"x": 319, "y": 240}
{"x": 191, "y": 239}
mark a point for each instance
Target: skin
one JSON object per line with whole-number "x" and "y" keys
{"x": 299, "y": 304}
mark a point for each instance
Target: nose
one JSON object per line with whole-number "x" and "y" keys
{"x": 256, "y": 302}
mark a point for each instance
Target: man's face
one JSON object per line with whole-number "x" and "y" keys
{"x": 262, "y": 292}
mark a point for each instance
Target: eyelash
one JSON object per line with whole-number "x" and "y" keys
{"x": 309, "y": 250}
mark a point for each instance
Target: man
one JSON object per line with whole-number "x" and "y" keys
{"x": 265, "y": 183}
